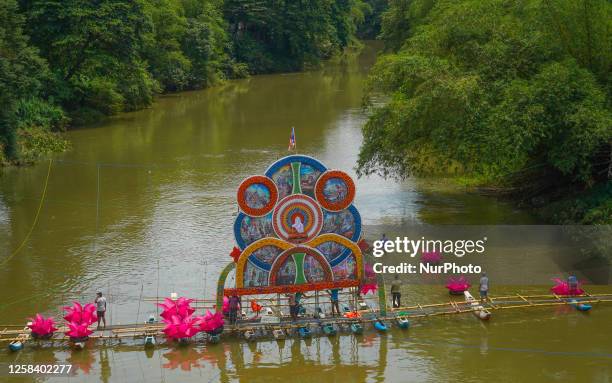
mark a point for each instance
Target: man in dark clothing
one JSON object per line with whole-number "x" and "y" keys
{"x": 234, "y": 305}
{"x": 293, "y": 306}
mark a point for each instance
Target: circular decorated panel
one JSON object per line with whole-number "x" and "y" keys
{"x": 297, "y": 218}
{"x": 335, "y": 190}
{"x": 346, "y": 223}
{"x": 257, "y": 195}
{"x": 297, "y": 226}
{"x": 250, "y": 229}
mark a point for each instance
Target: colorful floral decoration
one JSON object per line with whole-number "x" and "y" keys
{"x": 297, "y": 230}
{"x": 42, "y": 327}
{"x": 562, "y": 287}
{"x": 79, "y": 319}
{"x": 180, "y": 322}
{"x": 457, "y": 286}
{"x": 212, "y": 323}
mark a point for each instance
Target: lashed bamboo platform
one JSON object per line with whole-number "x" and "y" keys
{"x": 10, "y": 333}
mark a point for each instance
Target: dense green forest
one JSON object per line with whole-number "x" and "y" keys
{"x": 70, "y": 62}
{"x": 512, "y": 95}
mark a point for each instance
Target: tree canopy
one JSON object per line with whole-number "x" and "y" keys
{"x": 74, "y": 61}
{"x": 510, "y": 93}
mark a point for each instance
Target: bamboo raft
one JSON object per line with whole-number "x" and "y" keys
{"x": 254, "y": 328}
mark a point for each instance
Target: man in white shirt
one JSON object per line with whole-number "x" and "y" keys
{"x": 100, "y": 308}
{"x": 484, "y": 287}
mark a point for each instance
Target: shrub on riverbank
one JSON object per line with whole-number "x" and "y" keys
{"x": 514, "y": 94}
{"x": 28, "y": 121}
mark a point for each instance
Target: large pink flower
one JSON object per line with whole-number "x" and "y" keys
{"x": 181, "y": 307}
{"x": 42, "y": 326}
{"x": 81, "y": 314}
{"x": 562, "y": 287}
{"x": 78, "y": 330}
{"x": 458, "y": 285}
{"x": 177, "y": 327}
{"x": 210, "y": 322}
{"x": 367, "y": 287}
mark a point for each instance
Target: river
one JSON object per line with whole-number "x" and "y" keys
{"x": 143, "y": 205}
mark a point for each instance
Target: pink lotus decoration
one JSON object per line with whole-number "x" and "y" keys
{"x": 177, "y": 327}
{"x": 457, "y": 286}
{"x": 79, "y": 318}
{"x": 431, "y": 257}
{"x": 78, "y": 330}
{"x": 41, "y": 326}
{"x": 368, "y": 287}
{"x": 563, "y": 288}
{"x": 181, "y": 307}
{"x": 211, "y": 323}
{"x": 180, "y": 322}
{"x": 81, "y": 314}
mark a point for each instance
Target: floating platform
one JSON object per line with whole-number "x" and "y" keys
{"x": 150, "y": 334}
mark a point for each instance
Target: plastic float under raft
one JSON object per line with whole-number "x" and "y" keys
{"x": 380, "y": 326}
{"x": 16, "y": 346}
{"x": 580, "y": 306}
{"x": 402, "y": 323}
{"x": 329, "y": 330}
{"x": 304, "y": 332}
{"x": 479, "y": 310}
{"x": 149, "y": 341}
{"x": 356, "y": 328}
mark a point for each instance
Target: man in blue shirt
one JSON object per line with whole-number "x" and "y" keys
{"x": 333, "y": 295}
{"x": 572, "y": 284}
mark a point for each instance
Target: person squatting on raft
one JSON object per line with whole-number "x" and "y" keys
{"x": 396, "y": 294}
{"x": 484, "y": 287}
{"x": 100, "y": 302}
{"x": 234, "y": 306}
{"x": 333, "y": 296}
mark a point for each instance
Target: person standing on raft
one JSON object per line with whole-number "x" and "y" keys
{"x": 234, "y": 305}
{"x": 293, "y": 306}
{"x": 100, "y": 302}
{"x": 333, "y": 296}
{"x": 484, "y": 287}
{"x": 396, "y": 293}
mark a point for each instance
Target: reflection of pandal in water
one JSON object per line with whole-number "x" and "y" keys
{"x": 368, "y": 340}
{"x": 185, "y": 358}
{"x": 82, "y": 360}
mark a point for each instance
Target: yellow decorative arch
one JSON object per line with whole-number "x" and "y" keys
{"x": 246, "y": 253}
{"x": 332, "y": 237}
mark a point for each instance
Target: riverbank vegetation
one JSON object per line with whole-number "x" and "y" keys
{"x": 68, "y": 62}
{"x": 511, "y": 95}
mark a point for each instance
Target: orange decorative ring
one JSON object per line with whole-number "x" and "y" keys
{"x": 257, "y": 195}
{"x": 335, "y": 190}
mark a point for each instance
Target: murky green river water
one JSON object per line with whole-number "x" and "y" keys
{"x": 157, "y": 187}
